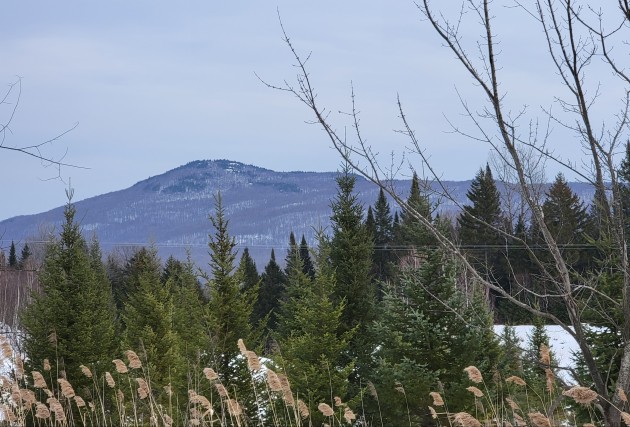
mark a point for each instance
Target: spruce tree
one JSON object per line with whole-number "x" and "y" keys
{"x": 248, "y": 271}
{"x": 410, "y": 234}
{"x": 25, "y": 256}
{"x": 478, "y": 225}
{"x": 71, "y": 321}
{"x": 13, "y": 262}
{"x": 351, "y": 259}
{"x": 271, "y": 292}
{"x": 150, "y": 332}
{"x": 190, "y": 317}
{"x": 311, "y": 337}
{"x": 427, "y": 331}
{"x": 229, "y": 308}
{"x": 305, "y": 254}
{"x": 383, "y": 236}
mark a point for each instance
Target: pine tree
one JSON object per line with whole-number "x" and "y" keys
{"x": 312, "y": 344}
{"x": 305, "y": 254}
{"x": 271, "y": 292}
{"x": 72, "y": 320}
{"x": 229, "y": 309}
{"x": 351, "y": 258}
{"x": 13, "y": 262}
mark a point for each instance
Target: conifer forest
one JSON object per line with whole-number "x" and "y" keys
{"x": 389, "y": 315}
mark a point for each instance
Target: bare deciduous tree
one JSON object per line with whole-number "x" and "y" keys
{"x": 11, "y": 99}
{"x": 576, "y": 36}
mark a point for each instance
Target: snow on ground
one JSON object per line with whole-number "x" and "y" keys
{"x": 562, "y": 345}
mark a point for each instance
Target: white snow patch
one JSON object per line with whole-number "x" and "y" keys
{"x": 562, "y": 345}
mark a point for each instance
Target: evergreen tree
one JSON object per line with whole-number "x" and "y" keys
{"x": 190, "y": 317}
{"x": 13, "y": 262}
{"x": 271, "y": 292}
{"x": 248, "y": 272}
{"x": 370, "y": 224}
{"x": 312, "y": 346}
{"x": 72, "y": 320}
{"x": 478, "y": 225}
{"x": 427, "y": 332}
{"x": 351, "y": 258}
{"x": 410, "y": 233}
{"x": 25, "y": 256}
{"x": 148, "y": 317}
{"x": 229, "y": 308}
{"x": 383, "y": 236}
{"x": 291, "y": 257}
{"x": 309, "y": 268}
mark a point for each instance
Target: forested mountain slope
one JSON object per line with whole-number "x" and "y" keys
{"x": 171, "y": 210}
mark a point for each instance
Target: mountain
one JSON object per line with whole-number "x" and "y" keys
{"x": 171, "y": 210}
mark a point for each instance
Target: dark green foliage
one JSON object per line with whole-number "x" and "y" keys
{"x": 479, "y": 225}
{"x": 384, "y": 257}
{"x": 410, "y": 234}
{"x": 190, "y": 316}
{"x": 427, "y": 332}
{"x": 230, "y": 308}
{"x": 148, "y": 315}
{"x": 248, "y": 271}
{"x": 72, "y": 320}
{"x": 270, "y": 293}
{"x": 312, "y": 343}
{"x": 13, "y": 262}
{"x": 370, "y": 224}
{"x": 25, "y": 256}
{"x": 308, "y": 267}
{"x": 292, "y": 255}
{"x": 351, "y": 258}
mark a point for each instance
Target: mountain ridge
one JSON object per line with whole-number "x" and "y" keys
{"x": 171, "y": 210}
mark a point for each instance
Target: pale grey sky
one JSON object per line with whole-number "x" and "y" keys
{"x": 156, "y": 84}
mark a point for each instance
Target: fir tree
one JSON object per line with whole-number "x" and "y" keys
{"x": 312, "y": 346}
{"x": 351, "y": 258}
{"x": 248, "y": 272}
{"x": 72, "y": 320}
{"x": 229, "y": 309}
{"x": 148, "y": 317}
{"x": 190, "y": 317}
{"x": 25, "y": 256}
{"x": 383, "y": 236}
{"x": 309, "y": 268}
{"x": 478, "y": 225}
{"x": 410, "y": 233}
{"x": 270, "y": 293}
{"x": 13, "y": 262}
{"x": 427, "y": 332}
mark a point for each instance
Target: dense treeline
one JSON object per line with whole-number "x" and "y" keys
{"x": 372, "y": 312}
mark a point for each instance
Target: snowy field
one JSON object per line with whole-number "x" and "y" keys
{"x": 562, "y": 345}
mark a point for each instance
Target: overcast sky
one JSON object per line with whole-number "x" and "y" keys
{"x": 156, "y": 84}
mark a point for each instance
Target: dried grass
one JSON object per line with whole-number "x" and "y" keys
{"x": 134, "y": 360}
{"x": 38, "y": 380}
{"x": 303, "y": 409}
{"x": 86, "y": 371}
{"x": 539, "y": 420}
{"x": 474, "y": 390}
{"x": 325, "y": 409}
{"x": 582, "y": 395}
{"x": 110, "y": 380}
{"x": 437, "y": 398}
{"x": 210, "y": 374}
{"x": 121, "y": 368}
{"x": 474, "y": 374}
{"x": 464, "y": 419}
{"x": 516, "y": 380}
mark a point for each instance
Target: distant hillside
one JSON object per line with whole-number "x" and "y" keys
{"x": 171, "y": 210}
